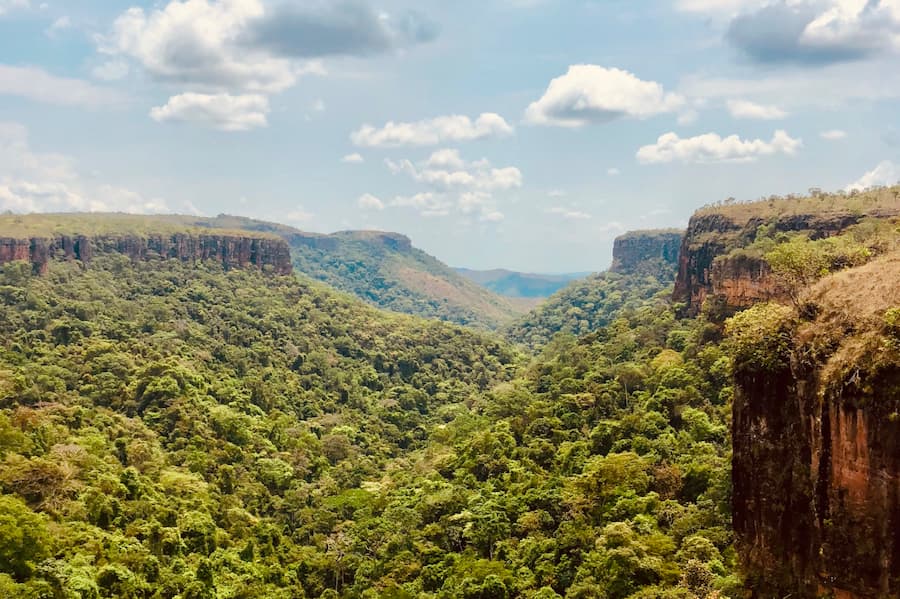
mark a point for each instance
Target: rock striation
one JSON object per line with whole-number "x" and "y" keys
{"x": 231, "y": 250}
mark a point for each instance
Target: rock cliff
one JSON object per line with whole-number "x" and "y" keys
{"x": 816, "y": 463}
{"x": 709, "y": 269}
{"x": 232, "y": 250}
{"x": 639, "y": 249}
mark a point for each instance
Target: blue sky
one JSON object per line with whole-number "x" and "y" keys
{"x": 524, "y": 134}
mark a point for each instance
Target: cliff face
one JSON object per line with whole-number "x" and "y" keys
{"x": 637, "y": 249}
{"x": 816, "y": 463}
{"x": 707, "y": 271}
{"x": 233, "y": 251}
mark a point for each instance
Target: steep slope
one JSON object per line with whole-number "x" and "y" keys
{"x": 643, "y": 266}
{"x": 817, "y": 439}
{"x": 519, "y": 284}
{"x": 721, "y": 259}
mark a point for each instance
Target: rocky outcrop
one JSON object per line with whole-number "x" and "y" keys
{"x": 816, "y": 462}
{"x": 706, "y": 270}
{"x": 232, "y": 251}
{"x": 633, "y": 251}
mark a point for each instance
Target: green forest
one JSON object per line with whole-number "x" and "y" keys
{"x": 176, "y": 429}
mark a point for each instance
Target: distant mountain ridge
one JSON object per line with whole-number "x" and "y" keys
{"x": 387, "y": 271}
{"x": 520, "y": 284}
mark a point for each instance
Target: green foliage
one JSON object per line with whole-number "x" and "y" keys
{"x": 201, "y": 433}
{"x": 590, "y": 304}
{"x": 760, "y": 337}
{"x": 799, "y": 262}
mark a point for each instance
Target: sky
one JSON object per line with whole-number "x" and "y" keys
{"x": 524, "y": 134}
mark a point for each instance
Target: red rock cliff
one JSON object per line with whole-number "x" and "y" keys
{"x": 233, "y": 251}
{"x": 816, "y": 466}
{"x": 707, "y": 271}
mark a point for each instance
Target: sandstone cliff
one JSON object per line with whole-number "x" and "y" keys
{"x": 816, "y": 466}
{"x": 232, "y": 250}
{"x": 639, "y": 249}
{"x": 709, "y": 268}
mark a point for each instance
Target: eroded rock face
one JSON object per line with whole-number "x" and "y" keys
{"x": 635, "y": 250}
{"x": 705, "y": 271}
{"x": 232, "y": 251}
{"x": 816, "y": 462}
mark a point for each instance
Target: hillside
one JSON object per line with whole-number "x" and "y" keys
{"x": 519, "y": 284}
{"x": 385, "y": 270}
{"x": 643, "y": 268}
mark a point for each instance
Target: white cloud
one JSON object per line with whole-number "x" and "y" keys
{"x": 426, "y": 203}
{"x": 833, "y": 134}
{"x": 711, "y": 147}
{"x": 369, "y": 202}
{"x": 446, "y": 170}
{"x": 111, "y": 70}
{"x": 431, "y": 132}
{"x": 197, "y": 43}
{"x": 886, "y": 173}
{"x": 35, "y": 84}
{"x": 11, "y": 5}
{"x": 593, "y": 94}
{"x": 219, "y": 111}
{"x": 569, "y": 213}
{"x": 744, "y": 109}
{"x": 46, "y": 182}
{"x": 473, "y": 201}
{"x": 354, "y": 158}
{"x": 613, "y": 172}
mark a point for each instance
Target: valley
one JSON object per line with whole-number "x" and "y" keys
{"x": 222, "y": 407}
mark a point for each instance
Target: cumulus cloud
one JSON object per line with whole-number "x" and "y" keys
{"x": 334, "y": 28}
{"x": 816, "y": 31}
{"x": 593, "y": 94}
{"x": 445, "y": 169}
{"x": 454, "y": 184}
{"x": 218, "y": 111}
{"x": 886, "y": 173}
{"x": 711, "y": 147}
{"x": 613, "y": 172}
{"x": 431, "y": 132}
{"x": 744, "y": 109}
{"x": 110, "y": 70}
{"x": 354, "y": 158}
{"x": 369, "y": 202}
{"x": 47, "y": 182}
{"x": 38, "y": 85}
{"x": 249, "y": 46}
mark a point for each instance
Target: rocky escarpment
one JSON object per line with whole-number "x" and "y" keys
{"x": 233, "y": 251}
{"x": 710, "y": 269}
{"x": 639, "y": 249}
{"x": 816, "y": 419}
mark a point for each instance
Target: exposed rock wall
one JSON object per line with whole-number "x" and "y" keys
{"x": 706, "y": 271}
{"x": 233, "y": 251}
{"x": 634, "y": 250}
{"x": 816, "y": 462}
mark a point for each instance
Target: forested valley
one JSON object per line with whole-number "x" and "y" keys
{"x": 196, "y": 429}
